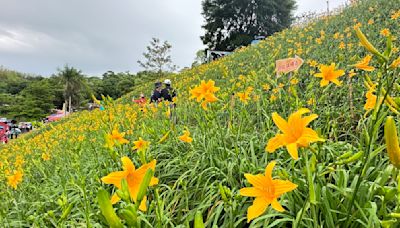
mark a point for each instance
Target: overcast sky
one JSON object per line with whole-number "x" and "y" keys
{"x": 37, "y": 36}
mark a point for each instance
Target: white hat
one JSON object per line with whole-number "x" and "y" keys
{"x": 167, "y": 81}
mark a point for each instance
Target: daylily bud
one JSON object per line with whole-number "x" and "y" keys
{"x": 392, "y": 142}
{"x": 364, "y": 41}
{"x": 198, "y": 220}
{"x": 107, "y": 210}
{"x": 123, "y": 193}
{"x": 129, "y": 214}
{"x": 143, "y": 187}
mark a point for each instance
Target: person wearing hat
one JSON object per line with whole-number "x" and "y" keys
{"x": 156, "y": 96}
{"x": 168, "y": 93}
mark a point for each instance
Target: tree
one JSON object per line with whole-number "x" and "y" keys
{"x": 73, "y": 80}
{"x": 117, "y": 84}
{"x": 157, "y": 57}
{"x": 234, "y": 23}
{"x": 200, "y": 58}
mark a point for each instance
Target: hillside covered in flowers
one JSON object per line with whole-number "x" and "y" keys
{"x": 243, "y": 146}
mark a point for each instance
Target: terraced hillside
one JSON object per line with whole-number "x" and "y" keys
{"x": 213, "y": 154}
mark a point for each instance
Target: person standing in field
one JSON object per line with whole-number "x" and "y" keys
{"x": 156, "y": 96}
{"x": 168, "y": 93}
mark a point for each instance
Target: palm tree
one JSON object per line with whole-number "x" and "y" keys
{"x": 73, "y": 80}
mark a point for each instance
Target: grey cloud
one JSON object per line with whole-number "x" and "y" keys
{"x": 37, "y": 36}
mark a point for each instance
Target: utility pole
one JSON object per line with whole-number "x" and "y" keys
{"x": 327, "y": 7}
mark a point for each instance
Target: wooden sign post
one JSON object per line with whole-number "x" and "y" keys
{"x": 288, "y": 65}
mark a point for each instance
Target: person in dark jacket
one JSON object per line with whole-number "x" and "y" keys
{"x": 168, "y": 93}
{"x": 156, "y": 96}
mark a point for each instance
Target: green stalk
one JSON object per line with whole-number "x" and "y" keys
{"x": 367, "y": 154}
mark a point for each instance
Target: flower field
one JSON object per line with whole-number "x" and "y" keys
{"x": 243, "y": 147}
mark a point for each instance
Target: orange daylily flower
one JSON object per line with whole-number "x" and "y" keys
{"x": 363, "y": 64}
{"x": 140, "y": 144}
{"x": 266, "y": 190}
{"x": 15, "y": 179}
{"x": 329, "y": 74}
{"x": 395, "y": 63}
{"x": 371, "y": 99}
{"x": 134, "y": 177}
{"x": 186, "y": 137}
{"x": 243, "y": 97}
{"x": 295, "y": 132}
{"x": 205, "y": 91}
{"x": 115, "y": 137}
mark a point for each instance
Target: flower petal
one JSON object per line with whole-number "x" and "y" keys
{"x": 255, "y": 180}
{"x": 324, "y": 82}
{"x": 114, "y": 178}
{"x": 292, "y": 149}
{"x": 128, "y": 164}
{"x": 277, "y": 206}
{"x": 280, "y": 122}
{"x": 143, "y": 205}
{"x": 337, "y": 82}
{"x": 308, "y": 119}
{"x": 282, "y": 186}
{"x": 268, "y": 169}
{"x": 257, "y": 209}
{"x": 309, "y": 136}
{"x": 115, "y": 199}
{"x": 251, "y": 192}
{"x": 275, "y": 143}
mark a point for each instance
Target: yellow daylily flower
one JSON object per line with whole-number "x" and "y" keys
{"x": 134, "y": 178}
{"x": 266, "y": 191}
{"x": 295, "y": 132}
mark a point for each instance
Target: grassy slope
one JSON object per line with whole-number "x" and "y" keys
{"x": 229, "y": 139}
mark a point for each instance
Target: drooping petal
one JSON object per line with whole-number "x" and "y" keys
{"x": 143, "y": 204}
{"x": 276, "y": 205}
{"x": 251, "y": 192}
{"x": 268, "y": 169}
{"x": 282, "y": 186}
{"x": 204, "y": 105}
{"x": 275, "y": 143}
{"x": 255, "y": 180}
{"x": 336, "y": 81}
{"x": 257, "y": 209}
{"x": 280, "y": 122}
{"x": 114, "y": 178}
{"x": 115, "y": 199}
{"x": 153, "y": 181}
{"x": 292, "y": 149}
{"x": 324, "y": 82}
{"x": 128, "y": 164}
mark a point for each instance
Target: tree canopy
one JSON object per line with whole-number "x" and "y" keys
{"x": 233, "y": 23}
{"x": 157, "y": 57}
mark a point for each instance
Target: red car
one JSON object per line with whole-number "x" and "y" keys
{"x": 4, "y": 128}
